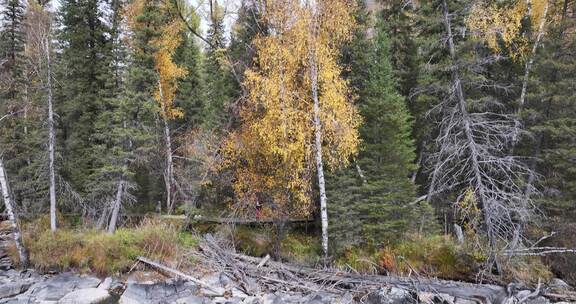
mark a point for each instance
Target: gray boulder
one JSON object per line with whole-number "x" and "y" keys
{"x": 271, "y": 298}
{"x": 86, "y": 296}
{"x": 392, "y": 295}
{"x": 193, "y": 300}
{"x": 11, "y": 289}
{"x": 164, "y": 292}
{"x": 56, "y": 287}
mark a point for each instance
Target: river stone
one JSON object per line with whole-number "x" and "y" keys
{"x": 320, "y": 298}
{"x": 432, "y": 298}
{"x": 86, "y": 296}
{"x": 251, "y": 300}
{"x": 223, "y": 300}
{"x": 391, "y": 295}
{"x": 106, "y": 284}
{"x": 465, "y": 301}
{"x": 559, "y": 284}
{"x": 164, "y": 292}
{"x": 271, "y": 298}
{"x": 11, "y": 289}
{"x": 56, "y": 287}
{"x": 193, "y": 300}
{"x": 538, "y": 300}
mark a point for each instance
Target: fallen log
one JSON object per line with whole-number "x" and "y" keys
{"x": 337, "y": 281}
{"x": 242, "y": 221}
{"x": 179, "y": 274}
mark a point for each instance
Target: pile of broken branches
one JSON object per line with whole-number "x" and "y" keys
{"x": 253, "y": 276}
{"x": 254, "y": 273}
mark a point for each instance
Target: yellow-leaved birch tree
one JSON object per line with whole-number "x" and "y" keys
{"x": 503, "y": 30}
{"x": 299, "y": 112}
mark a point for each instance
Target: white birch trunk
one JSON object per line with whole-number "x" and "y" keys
{"x": 12, "y": 217}
{"x": 169, "y": 172}
{"x": 319, "y": 162}
{"x": 51, "y": 139}
{"x": 530, "y": 62}
{"x": 169, "y": 178}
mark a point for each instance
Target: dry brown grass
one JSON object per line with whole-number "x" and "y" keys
{"x": 104, "y": 254}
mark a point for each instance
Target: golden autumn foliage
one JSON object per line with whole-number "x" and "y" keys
{"x": 165, "y": 44}
{"x": 272, "y": 152}
{"x": 168, "y": 71}
{"x": 500, "y": 26}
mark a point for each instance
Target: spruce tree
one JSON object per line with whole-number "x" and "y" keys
{"x": 369, "y": 198}
{"x": 116, "y": 133}
{"x": 11, "y": 47}
{"x": 247, "y": 26}
{"x": 220, "y": 84}
{"x": 550, "y": 115}
{"x": 403, "y": 49}
{"x": 83, "y": 71}
{"x": 190, "y": 88}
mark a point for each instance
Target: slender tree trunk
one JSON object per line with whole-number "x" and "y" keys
{"x": 319, "y": 162}
{"x": 361, "y": 174}
{"x": 120, "y": 189}
{"x": 103, "y": 217}
{"x": 117, "y": 205}
{"x": 169, "y": 172}
{"x": 26, "y": 104}
{"x": 51, "y": 139}
{"x": 530, "y": 61}
{"x": 169, "y": 178}
{"x": 12, "y": 217}
{"x": 418, "y": 165}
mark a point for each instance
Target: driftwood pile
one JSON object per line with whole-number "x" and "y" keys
{"x": 254, "y": 274}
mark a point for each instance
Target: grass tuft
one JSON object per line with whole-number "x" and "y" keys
{"x": 105, "y": 254}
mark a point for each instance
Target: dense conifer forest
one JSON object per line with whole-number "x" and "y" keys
{"x": 383, "y": 136}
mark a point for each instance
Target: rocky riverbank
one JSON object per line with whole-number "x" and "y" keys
{"x": 71, "y": 288}
{"x": 150, "y": 288}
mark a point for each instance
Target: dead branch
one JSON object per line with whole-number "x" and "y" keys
{"x": 179, "y": 274}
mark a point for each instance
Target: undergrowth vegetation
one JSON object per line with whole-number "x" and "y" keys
{"x": 96, "y": 251}
{"x": 436, "y": 256}
{"x": 90, "y": 250}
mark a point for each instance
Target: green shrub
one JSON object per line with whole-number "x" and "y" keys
{"x": 301, "y": 249}
{"x": 431, "y": 255}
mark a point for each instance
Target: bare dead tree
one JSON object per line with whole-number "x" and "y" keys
{"x": 472, "y": 141}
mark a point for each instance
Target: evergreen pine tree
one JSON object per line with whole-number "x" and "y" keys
{"x": 246, "y": 27}
{"x": 220, "y": 84}
{"x": 550, "y": 115}
{"x": 83, "y": 70}
{"x": 11, "y": 47}
{"x": 116, "y": 133}
{"x": 369, "y": 198}
{"x": 403, "y": 49}
{"x": 190, "y": 88}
